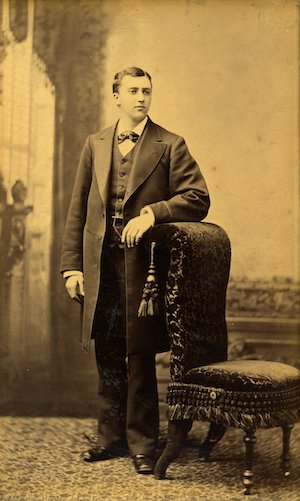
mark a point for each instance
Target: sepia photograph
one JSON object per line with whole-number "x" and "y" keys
{"x": 149, "y": 250}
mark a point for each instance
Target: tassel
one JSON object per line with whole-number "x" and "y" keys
{"x": 149, "y": 302}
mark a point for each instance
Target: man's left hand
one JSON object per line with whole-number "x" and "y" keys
{"x": 135, "y": 229}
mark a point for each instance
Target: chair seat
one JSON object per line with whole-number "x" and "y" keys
{"x": 240, "y": 393}
{"x": 244, "y": 375}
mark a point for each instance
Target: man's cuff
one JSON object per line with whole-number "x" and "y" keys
{"x": 161, "y": 212}
{"x": 71, "y": 273}
{"x": 148, "y": 210}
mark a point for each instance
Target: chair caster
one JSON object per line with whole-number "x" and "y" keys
{"x": 159, "y": 476}
{"x": 160, "y": 470}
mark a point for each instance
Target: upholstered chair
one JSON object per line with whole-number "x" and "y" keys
{"x": 192, "y": 263}
{"x": 205, "y": 386}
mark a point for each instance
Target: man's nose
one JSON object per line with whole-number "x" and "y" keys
{"x": 141, "y": 97}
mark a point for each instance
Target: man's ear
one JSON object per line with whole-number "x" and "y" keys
{"x": 116, "y": 98}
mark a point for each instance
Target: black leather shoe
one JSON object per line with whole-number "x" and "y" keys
{"x": 99, "y": 453}
{"x": 143, "y": 464}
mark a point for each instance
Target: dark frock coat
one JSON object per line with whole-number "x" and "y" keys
{"x": 165, "y": 177}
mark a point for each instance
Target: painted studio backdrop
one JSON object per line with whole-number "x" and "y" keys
{"x": 225, "y": 76}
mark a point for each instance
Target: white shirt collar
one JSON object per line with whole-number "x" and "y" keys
{"x": 138, "y": 129}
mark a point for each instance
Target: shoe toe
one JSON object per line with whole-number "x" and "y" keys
{"x": 100, "y": 453}
{"x": 143, "y": 464}
{"x": 94, "y": 454}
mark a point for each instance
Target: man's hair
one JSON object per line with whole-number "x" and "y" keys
{"x": 133, "y": 72}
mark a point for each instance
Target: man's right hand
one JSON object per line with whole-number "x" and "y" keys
{"x": 75, "y": 287}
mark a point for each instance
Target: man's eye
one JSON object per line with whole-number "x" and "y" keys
{"x": 132, "y": 91}
{"x": 147, "y": 92}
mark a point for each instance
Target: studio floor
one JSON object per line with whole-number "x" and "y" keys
{"x": 40, "y": 461}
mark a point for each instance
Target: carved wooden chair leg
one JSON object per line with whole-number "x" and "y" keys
{"x": 250, "y": 440}
{"x": 285, "y": 457}
{"x": 215, "y": 433}
{"x": 177, "y": 433}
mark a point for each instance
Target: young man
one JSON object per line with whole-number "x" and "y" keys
{"x": 131, "y": 176}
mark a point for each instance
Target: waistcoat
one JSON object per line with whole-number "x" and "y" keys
{"x": 119, "y": 175}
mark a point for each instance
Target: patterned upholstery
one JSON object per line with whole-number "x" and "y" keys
{"x": 195, "y": 292}
{"x": 242, "y": 394}
{"x": 244, "y": 375}
{"x": 246, "y": 394}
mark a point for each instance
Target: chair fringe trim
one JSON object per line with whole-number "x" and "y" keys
{"x": 235, "y": 419}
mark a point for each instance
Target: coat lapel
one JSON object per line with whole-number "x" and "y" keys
{"x": 149, "y": 151}
{"x": 102, "y": 162}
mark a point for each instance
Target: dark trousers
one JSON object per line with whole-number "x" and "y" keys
{"x": 128, "y": 400}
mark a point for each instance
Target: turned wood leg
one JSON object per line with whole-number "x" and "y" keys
{"x": 215, "y": 433}
{"x": 177, "y": 433}
{"x": 250, "y": 440}
{"x": 285, "y": 457}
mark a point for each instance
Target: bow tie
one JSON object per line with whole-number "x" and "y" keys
{"x": 127, "y": 134}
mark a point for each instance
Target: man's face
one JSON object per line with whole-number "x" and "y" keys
{"x": 134, "y": 98}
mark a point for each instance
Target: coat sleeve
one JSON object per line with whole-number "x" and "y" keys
{"x": 72, "y": 247}
{"x": 189, "y": 199}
